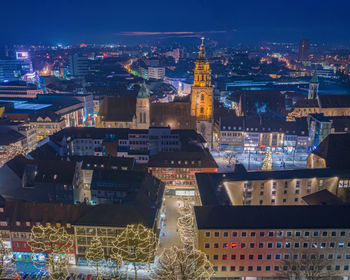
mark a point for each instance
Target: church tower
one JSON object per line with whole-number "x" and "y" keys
{"x": 202, "y": 97}
{"x": 143, "y": 108}
{"x": 313, "y": 87}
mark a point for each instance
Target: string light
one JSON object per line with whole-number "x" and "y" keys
{"x": 185, "y": 263}
{"x": 7, "y": 265}
{"x": 56, "y": 243}
{"x": 135, "y": 244}
{"x": 268, "y": 163}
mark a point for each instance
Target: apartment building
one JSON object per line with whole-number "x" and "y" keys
{"x": 268, "y": 242}
{"x": 252, "y": 134}
{"x": 285, "y": 187}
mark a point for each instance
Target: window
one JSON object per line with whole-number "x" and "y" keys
{"x": 260, "y": 257}
{"x": 233, "y": 257}
{"x": 216, "y": 234}
{"x": 269, "y": 245}
{"x": 241, "y": 268}
{"x": 268, "y": 268}
{"x": 225, "y": 234}
{"x": 296, "y": 245}
{"x": 225, "y": 245}
{"x": 324, "y": 233}
{"x": 251, "y": 245}
{"x": 277, "y": 256}
{"x": 216, "y": 245}
{"x": 244, "y": 234}
{"x": 223, "y": 268}
{"x": 271, "y": 233}
{"x": 215, "y": 257}
{"x": 261, "y": 245}
{"x": 252, "y": 234}
{"x": 258, "y": 268}
{"x": 289, "y": 233}
{"x": 276, "y": 268}
{"x": 215, "y": 268}
{"x": 330, "y": 256}
{"x": 268, "y": 256}
{"x": 234, "y": 234}
{"x": 241, "y": 257}
{"x": 316, "y": 233}
{"x": 262, "y": 234}
{"x": 334, "y": 233}
{"x": 295, "y": 256}
{"x": 286, "y": 256}
{"x": 251, "y": 257}
{"x": 224, "y": 257}
{"x": 207, "y": 245}
{"x": 233, "y": 245}
{"x": 232, "y": 268}
{"x": 332, "y": 245}
{"x": 279, "y": 245}
{"x": 340, "y": 244}
{"x": 305, "y": 245}
{"x": 243, "y": 245}
{"x": 207, "y": 234}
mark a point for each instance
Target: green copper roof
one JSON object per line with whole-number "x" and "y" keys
{"x": 314, "y": 79}
{"x": 144, "y": 91}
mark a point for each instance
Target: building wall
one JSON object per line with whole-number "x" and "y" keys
{"x": 179, "y": 177}
{"x": 277, "y": 192}
{"x": 261, "y": 252}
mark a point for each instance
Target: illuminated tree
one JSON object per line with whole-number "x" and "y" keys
{"x": 7, "y": 266}
{"x": 230, "y": 158}
{"x": 186, "y": 229}
{"x": 186, "y": 263}
{"x": 55, "y": 242}
{"x": 306, "y": 267}
{"x": 136, "y": 244}
{"x": 95, "y": 254}
{"x": 267, "y": 164}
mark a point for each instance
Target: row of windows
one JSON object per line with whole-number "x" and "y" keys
{"x": 278, "y": 233}
{"x": 243, "y": 257}
{"x": 277, "y": 268}
{"x": 278, "y": 245}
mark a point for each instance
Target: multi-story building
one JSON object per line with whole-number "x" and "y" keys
{"x": 19, "y": 89}
{"x": 252, "y": 134}
{"x": 81, "y": 221}
{"x": 321, "y": 126}
{"x": 13, "y": 70}
{"x": 139, "y": 144}
{"x": 270, "y": 242}
{"x": 157, "y": 73}
{"x": 177, "y": 169}
{"x": 39, "y": 180}
{"x": 47, "y": 113}
{"x": 284, "y": 187}
{"x": 303, "y": 50}
{"x": 12, "y": 143}
{"x": 328, "y": 105}
{"x": 78, "y": 65}
{"x": 332, "y": 152}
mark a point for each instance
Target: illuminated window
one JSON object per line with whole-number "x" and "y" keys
{"x": 225, "y": 245}
{"x": 233, "y": 245}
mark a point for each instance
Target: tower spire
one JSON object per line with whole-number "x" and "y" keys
{"x": 202, "y": 50}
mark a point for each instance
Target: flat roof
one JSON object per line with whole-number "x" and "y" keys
{"x": 25, "y": 105}
{"x": 272, "y": 217}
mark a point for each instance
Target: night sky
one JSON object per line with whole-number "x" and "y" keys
{"x": 249, "y": 21}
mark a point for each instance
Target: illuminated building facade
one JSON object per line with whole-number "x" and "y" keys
{"x": 262, "y": 242}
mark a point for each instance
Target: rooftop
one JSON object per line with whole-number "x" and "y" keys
{"x": 272, "y": 217}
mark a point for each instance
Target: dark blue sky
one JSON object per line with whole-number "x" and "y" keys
{"x": 75, "y": 21}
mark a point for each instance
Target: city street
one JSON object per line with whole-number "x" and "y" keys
{"x": 253, "y": 161}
